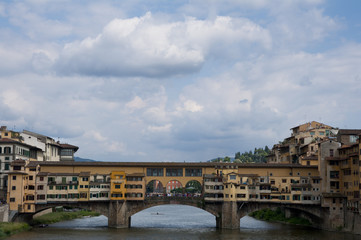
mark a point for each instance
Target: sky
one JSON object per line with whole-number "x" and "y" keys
{"x": 177, "y": 80}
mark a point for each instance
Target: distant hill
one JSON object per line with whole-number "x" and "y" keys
{"x": 79, "y": 159}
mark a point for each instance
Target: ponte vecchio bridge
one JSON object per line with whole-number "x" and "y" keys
{"x": 118, "y": 190}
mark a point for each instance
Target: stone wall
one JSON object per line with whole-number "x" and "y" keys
{"x": 352, "y": 222}
{"x": 4, "y": 213}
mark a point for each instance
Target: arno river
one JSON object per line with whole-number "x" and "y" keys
{"x": 175, "y": 222}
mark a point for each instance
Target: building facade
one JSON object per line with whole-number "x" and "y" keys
{"x": 28, "y": 146}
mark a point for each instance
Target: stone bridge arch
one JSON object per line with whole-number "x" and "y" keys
{"x": 120, "y": 213}
{"x": 313, "y": 213}
{"x": 101, "y": 207}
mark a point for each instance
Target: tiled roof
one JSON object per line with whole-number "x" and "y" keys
{"x": 18, "y": 163}
{"x": 348, "y": 146}
{"x": 68, "y": 146}
{"x": 63, "y": 174}
{"x": 349, "y": 131}
{"x": 312, "y": 157}
{"x": 174, "y": 164}
{"x": 335, "y": 158}
{"x": 84, "y": 174}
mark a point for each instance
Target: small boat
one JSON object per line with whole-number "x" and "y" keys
{"x": 157, "y": 213}
{"x": 43, "y": 225}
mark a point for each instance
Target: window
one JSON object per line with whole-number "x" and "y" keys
{"x": 12, "y": 199}
{"x": 334, "y": 174}
{"x": 40, "y": 187}
{"x": 232, "y": 177}
{"x": 193, "y": 172}
{"x": 155, "y": 172}
{"x": 66, "y": 152}
{"x": 31, "y": 178}
{"x": 117, "y": 186}
{"x": 13, "y": 188}
{"x": 41, "y": 178}
{"x": 85, "y": 179}
{"x": 353, "y": 139}
{"x": 14, "y": 177}
{"x": 7, "y": 150}
{"x": 174, "y": 172}
{"x": 331, "y": 152}
{"x": 40, "y": 197}
{"x": 17, "y": 168}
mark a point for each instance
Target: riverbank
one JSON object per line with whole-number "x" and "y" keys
{"x": 54, "y": 217}
{"x": 278, "y": 216}
{"x": 10, "y": 228}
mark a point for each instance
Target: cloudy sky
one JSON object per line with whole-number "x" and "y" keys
{"x": 177, "y": 80}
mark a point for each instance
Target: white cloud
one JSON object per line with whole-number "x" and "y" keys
{"x": 136, "y": 103}
{"x": 206, "y": 79}
{"x": 145, "y": 46}
{"x": 164, "y": 128}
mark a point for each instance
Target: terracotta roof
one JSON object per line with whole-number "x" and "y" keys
{"x": 84, "y": 174}
{"x": 348, "y": 146}
{"x": 18, "y": 163}
{"x": 33, "y": 163}
{"x": 174, "y": 164}
{"x": 8, "y": 140}
{"x": 20, "y": 173}
{"x": 312, "y": 157}
{"x": 41, "y": 174}
{"x": 68, "y": 146}
{"x": 63, "y": 174}
{"x": 335, "y": 158}
{"x": 349, "y": 131}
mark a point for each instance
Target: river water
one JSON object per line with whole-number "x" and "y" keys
{"x": 176, "y": 222}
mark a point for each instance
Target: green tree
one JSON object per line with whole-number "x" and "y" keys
{"x": 227, "y": 159}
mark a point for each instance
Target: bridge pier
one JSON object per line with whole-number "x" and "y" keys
{"x": 230, "y": 216}
{"x": 119, "y": 216}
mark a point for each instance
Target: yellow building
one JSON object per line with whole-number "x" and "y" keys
{"x": 21, "y": 188}
{"x": 117, "y": 185}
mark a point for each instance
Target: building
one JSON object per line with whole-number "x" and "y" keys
{"x": 302, "y": 143}
{"x": 27, "y": 146}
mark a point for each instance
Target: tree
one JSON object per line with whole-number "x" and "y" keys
{"x": 227, "y": 159}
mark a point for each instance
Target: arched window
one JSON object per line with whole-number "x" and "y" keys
{"x": 7, "y": 150}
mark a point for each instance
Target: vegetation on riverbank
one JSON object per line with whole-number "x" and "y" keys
{"x": 62, "y": 216}
{"x": 10, "y": 228}
{"x": 278, "y": 216}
